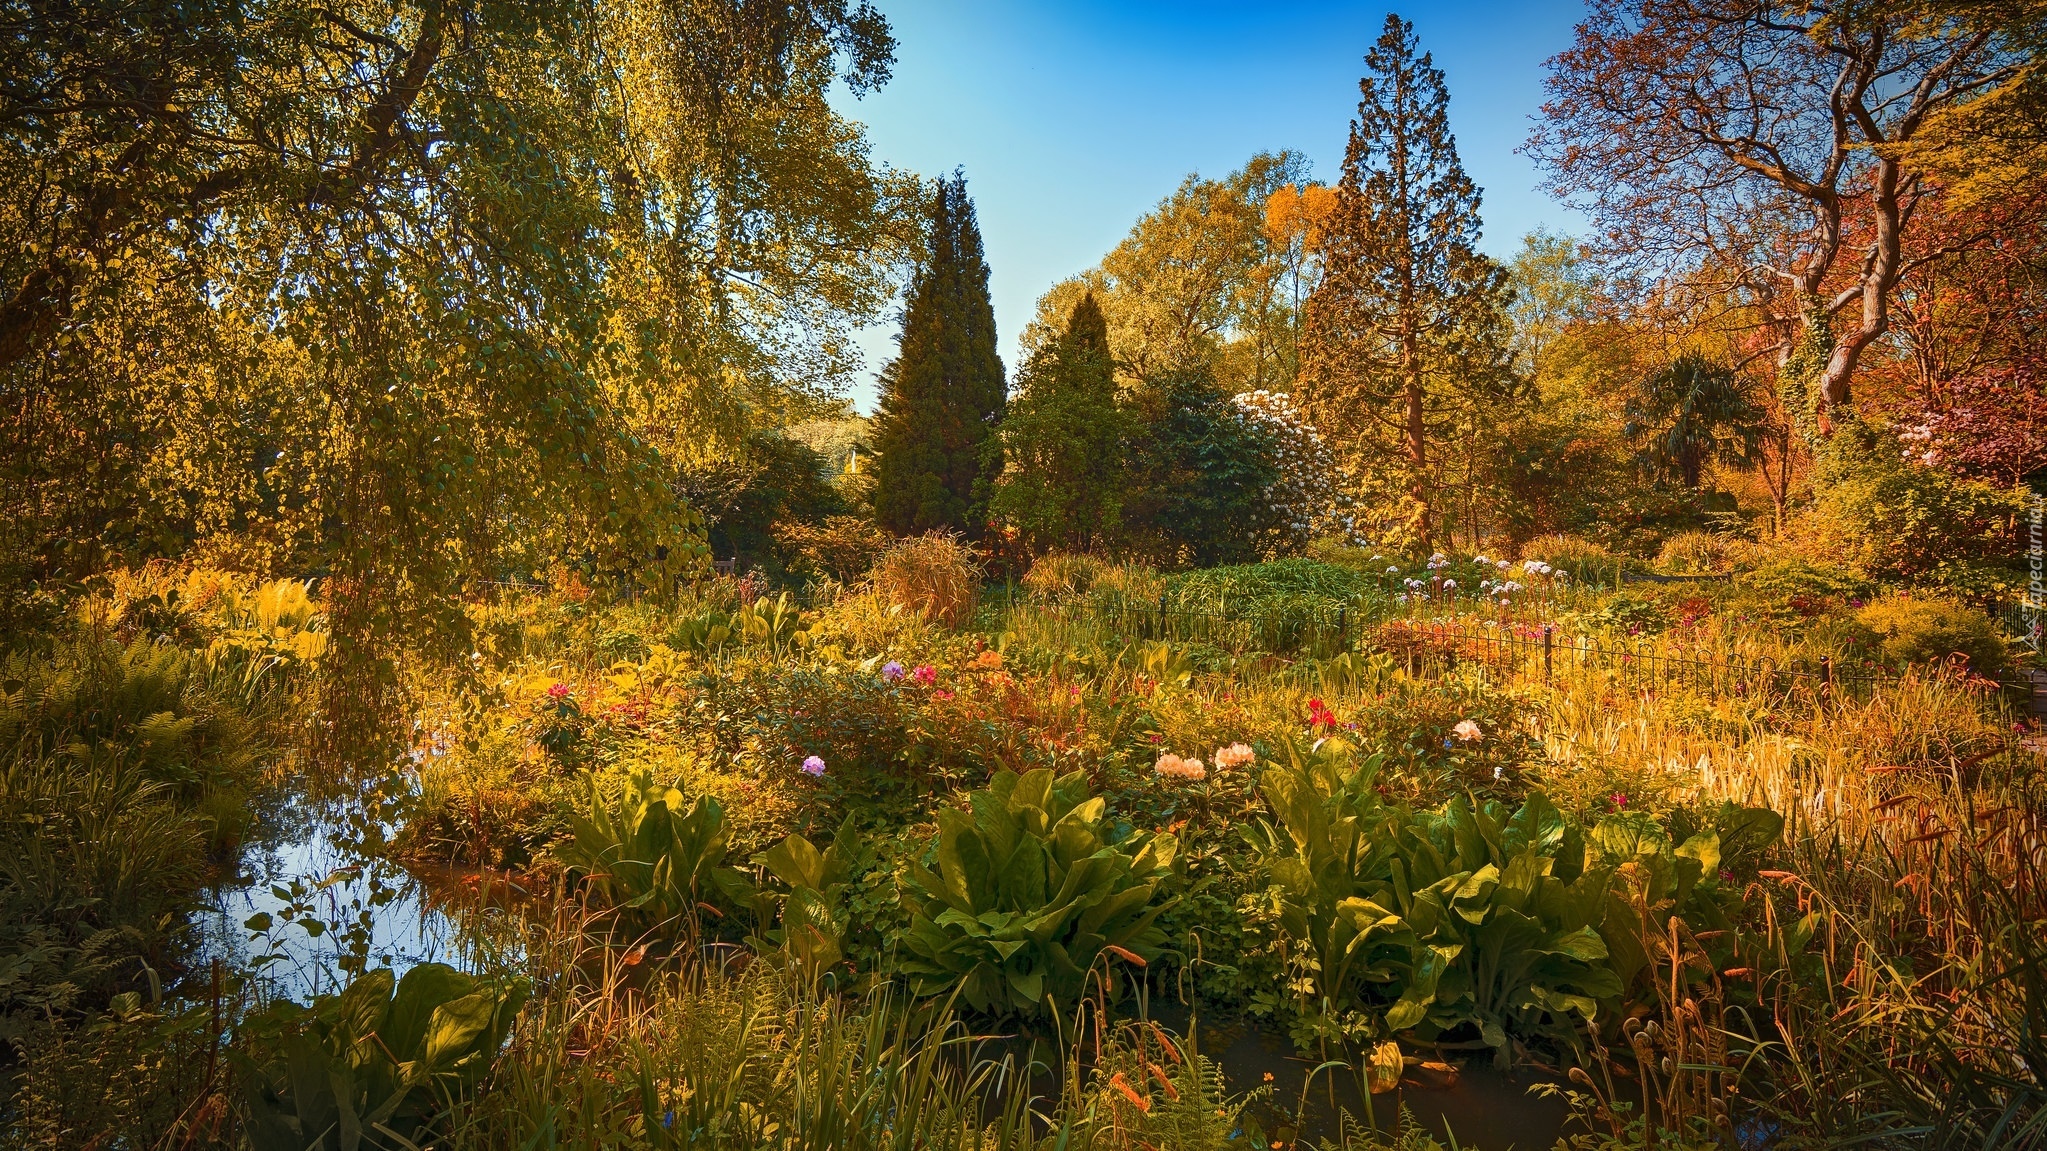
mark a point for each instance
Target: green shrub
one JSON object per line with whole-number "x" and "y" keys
{"x": 839, "y": 549}
{"x": 1796, "y": 587}
{"x": 1628, "y": 614}
{"x": 1893, "y": 519}
{"x": 1029, "y": 894}
{"x": 1587, "y": 562}
{"x": 377, "y": 1065}
{"x": 1258, "y": 589}
{"x": 1923, "y": 631}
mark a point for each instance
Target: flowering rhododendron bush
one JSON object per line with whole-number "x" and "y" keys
{"x": 1313, "y": 497}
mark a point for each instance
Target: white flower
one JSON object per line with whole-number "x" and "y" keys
{"x": 1466, "y": 730}
{"x": 1449, "y": 585}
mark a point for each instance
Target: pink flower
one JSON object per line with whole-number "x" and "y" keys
{"x": 1466, "y": 730}
{"x": 813, "y": 766}
{"x": 558, "y": 692}
{"x": 1173, "y": 767}
{"x": 1235, "y": 755}
{"x": 1619, "y": 799}
{"x": 925, "y": 674}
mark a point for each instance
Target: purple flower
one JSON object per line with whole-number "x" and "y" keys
{"x": 891, "y": 671}
{"x": 813, "y": 766}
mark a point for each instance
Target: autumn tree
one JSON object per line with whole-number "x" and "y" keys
{"x": 944, "y": 392}
{"x": 396, "y": 294}
{"x": 1062, "y": 441}
{"x": 1760, "y": 151}
{"x": 1984, "y": 150}
{"x": 1406, "y": 335}
{"x": 1553, "y": 290}
{"x": 1295, "y": 217}
{"x": 1201, "y": 279}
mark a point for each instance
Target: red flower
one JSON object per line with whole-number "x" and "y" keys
{"x": 1319, "y": 714}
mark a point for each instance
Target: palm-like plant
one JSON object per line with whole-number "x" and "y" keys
{"x": 1690, "y": 414}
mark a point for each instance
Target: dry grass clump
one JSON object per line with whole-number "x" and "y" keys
{"x": 1062, "y": 575}
{"x": 1580, "y": 557}
{"x": 1129, "y": 582}
{"x": 934, "y": 577}
{"x": 1693, "y": 553}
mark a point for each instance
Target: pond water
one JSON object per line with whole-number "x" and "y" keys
{"x": 1472, "y": 1103}
{"x": 325, "y": 899}
{"x": 399, "y": 917}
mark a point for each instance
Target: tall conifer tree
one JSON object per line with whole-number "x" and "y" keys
{"x": 943, "y": 394}
{"x": 1062, "y": 440}
{"x": 1408, "y": 326}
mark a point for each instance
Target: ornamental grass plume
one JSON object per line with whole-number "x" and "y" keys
{"x": 933, "y": 576}
{"x": 1173, "y": 767}
{"x": 1235, "y": 755}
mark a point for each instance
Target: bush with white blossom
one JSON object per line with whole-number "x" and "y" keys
{"x": 1311, "y": 499}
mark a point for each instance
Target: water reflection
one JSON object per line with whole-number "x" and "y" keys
{"x": 321, "y": 903}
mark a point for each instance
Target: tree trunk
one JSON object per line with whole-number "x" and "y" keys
{"x": 1417, "y": 431}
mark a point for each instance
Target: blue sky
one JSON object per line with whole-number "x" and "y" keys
{"x": 1072, "y": 119}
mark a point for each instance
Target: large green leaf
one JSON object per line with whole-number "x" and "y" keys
{"x": 1029, "y": 870}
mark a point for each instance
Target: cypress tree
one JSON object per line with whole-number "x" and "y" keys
{"x": 1405, "y": 336}
{"x": 944, "y": 392}
{"x": 1062, "y": 440}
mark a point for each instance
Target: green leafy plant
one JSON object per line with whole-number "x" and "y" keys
{"x": 777, "y": 623}
{"x": 813, "y": 924}
{"x": 1461, "y": 919}
{"x": 375, "y": 1066}
{"x": 655, "y": 863}
{"x": 706, "y": 631}
{"x": 1029, "y": 893}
